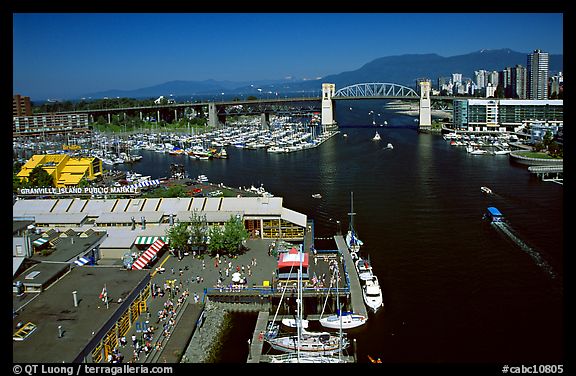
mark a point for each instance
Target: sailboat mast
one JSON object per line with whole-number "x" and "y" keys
{"x": 299, "y": 305}
{"x": 351, "y": 214}
{"x": 339, "y": 313}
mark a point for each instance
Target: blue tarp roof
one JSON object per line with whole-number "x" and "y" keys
{"x": 494, "y": 211}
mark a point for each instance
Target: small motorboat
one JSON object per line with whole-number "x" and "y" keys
{"x": 376, "y": 137}
{"x": 390, "y": 146}
{"x": 486, "y": 190}
{"x": 317, "y": 195}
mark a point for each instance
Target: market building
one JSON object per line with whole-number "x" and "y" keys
{"x": 66, "y": 171}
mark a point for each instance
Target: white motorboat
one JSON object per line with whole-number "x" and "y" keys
{"x": 317, "y": 195}
{"x": 364, "y": 269}
{"x": 376, "y": 137}
{"x": 372, "y": 294}
{"x": 389, "y": 146}
{"x": 346, "y": 320}
{"x": 486, "y": 190}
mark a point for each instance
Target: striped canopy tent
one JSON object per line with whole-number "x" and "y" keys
{"x": 148, "y": 255}
{"x": 39, "y": 242}
{"x": 148, "y": 240}
{"x": 146, "y": 183}
{"x": 83, "y": 261}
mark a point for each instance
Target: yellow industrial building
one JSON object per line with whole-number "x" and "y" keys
{"x": 65, "y": 170}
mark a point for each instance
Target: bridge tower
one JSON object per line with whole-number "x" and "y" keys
{"x": 425, "y": 107}
{"x": 327, "y": 105}
{"x": 212, "y": 115}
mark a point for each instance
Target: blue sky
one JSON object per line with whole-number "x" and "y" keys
{"x": 70, "y": 54}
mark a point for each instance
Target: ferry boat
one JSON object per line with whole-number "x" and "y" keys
{"x": 493, "y": 214}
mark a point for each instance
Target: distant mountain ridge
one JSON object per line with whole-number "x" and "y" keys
{"x": 400, "y": 69}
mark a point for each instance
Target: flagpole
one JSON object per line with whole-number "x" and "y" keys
{"x": 106, "y": 296}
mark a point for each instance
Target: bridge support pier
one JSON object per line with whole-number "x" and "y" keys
{"x": 212, "y": 115}
{"x": 425, "y": 123}
{"x": 327, "y": 106}
{"x": 109, "y": 118}
{"x": 265, "y": 120}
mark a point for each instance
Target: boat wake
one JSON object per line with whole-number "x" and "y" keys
{"x": 533, "y": 253}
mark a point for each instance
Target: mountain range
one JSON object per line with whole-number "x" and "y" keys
{"x": 402, "y": 69}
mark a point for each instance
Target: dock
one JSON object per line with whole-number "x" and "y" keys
{"x": 257, "y": 340}
{"x": 356, "y": 299}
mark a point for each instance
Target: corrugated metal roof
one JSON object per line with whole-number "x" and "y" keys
{"x": 97, "y": 207}
{"x": 174, "y": 205}
{"x": 126, "y": 217}
{"x": 60, "y": 218}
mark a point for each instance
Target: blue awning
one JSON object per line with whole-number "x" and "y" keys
{"x": 494, "y": 212}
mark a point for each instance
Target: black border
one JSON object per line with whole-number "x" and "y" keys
{"x": 190, "y": 6}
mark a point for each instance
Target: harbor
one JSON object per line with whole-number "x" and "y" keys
{"x": 411, "y": 264}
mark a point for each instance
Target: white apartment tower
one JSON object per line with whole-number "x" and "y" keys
{"x": 537, "y": 77}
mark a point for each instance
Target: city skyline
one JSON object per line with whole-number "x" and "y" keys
{"x": 67, "y": 55}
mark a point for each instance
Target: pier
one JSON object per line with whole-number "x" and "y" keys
{"x": 554, "y": 174}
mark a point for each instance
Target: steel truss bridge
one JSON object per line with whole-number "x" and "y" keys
{"x": 376, "y": 90}
{"x": 217, "y": 111}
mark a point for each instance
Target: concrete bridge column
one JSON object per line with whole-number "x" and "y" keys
{"x": 140, "y": 115}
{"x": 175, "y": 115}
{"x": 425, "y": 108}
{"x": 158, "y": 118}
{"x": 327, "y": 105}
{"x": 212, "y": 115}
{"x": 109, "y": 119}
{"x": 265, "y": 120}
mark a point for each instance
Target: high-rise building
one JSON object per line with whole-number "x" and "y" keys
{"x": 518, "y": 82}
{"x": 505, "y": 82}
{"x": 21, "y": 106}
{"x": 481, "y": 78}
{"x": 537, "y": 87}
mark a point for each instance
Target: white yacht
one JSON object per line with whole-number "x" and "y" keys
{"x": 372, "y": 294}
{"x": 364, "y": 269}
{"x": 376, "y": 137}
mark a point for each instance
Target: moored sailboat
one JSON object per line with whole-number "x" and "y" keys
{"x": 305, "y": 342}
{"x": 352, "y": 240}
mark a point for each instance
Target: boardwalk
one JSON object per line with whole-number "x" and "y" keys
{"x": 357, "y": 301}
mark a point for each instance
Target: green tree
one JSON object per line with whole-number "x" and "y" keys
{"x": 198, "y": 231}
{"x": 234, "y": 235}
{"x": 555, "y": 150}
{"x": 40, "y": 178}
{"x": 179, "y": 236}
{"x": 17, "y": 183}
{"x": 84, "y": 182}
{"x": 216, "y": 243}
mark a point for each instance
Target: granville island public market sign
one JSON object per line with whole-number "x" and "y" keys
{"x": 78, "y": 191}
